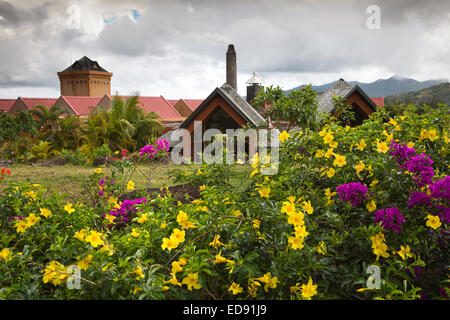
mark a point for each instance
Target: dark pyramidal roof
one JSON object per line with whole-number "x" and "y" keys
{"x": 85, "y": 64}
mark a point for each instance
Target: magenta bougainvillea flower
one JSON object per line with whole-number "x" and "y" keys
{"x": 441, "y": 189}
{"x": 419, "y": 198}
{"x": 127, "y": 206}
{"x": 354, "y": 192}
{"x": 151, "y": 151}
{"x": 390, "y": 218}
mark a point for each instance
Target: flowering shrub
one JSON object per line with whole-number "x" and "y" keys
{"x": 344, "y": 199}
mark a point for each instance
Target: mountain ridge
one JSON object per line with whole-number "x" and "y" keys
{"x": 385, "y": 87}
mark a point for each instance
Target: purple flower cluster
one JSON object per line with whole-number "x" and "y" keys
{"x": 421, "y": 165}
{"x": 16, "y": 218}
{"x": 354, "y": 192}
{"x": 441, "y": 189}
{"x": 126, "y": 207}
{"x": 151, "y": 151}
{"x": 391, "y": 219}
{"x": 419, "y": 198}
{"x": 418, "y": 164}
{"x": 401, "y": 153}
{"x": 101, "y": 183}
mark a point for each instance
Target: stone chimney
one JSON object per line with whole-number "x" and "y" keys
{"x": 231, "y": 67}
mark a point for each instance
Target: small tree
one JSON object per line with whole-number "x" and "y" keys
{"x": 296, "y": 108}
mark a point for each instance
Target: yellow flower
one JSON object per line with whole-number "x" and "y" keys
{"x": 296, "y": 242}
{"x": 371, "y": 206}
{"x": 220, "y": 259}
{"x": 55, "y": 273}
{"x": 46, "y": 212}
{"x": 330, "y": 172}
{"x": 339, "y": 161}
{"x": 163, "y": 225}
{"x": 321, "y": 248}
{"x": 199, "y": 172}
{"x": 80, "y": 235}
{"x": 110, "y": 218}
{"x": 253, "y": 288}
{"x": 283, "y": 136}
{"x": 202, "y": 187}
{"x": 410, "y": 145}
{"x": 191, "y": 281}
{"x": 307, "y": 207}
{"x": 5, "y": 254}
{"x": 405, "y": 252}
{"x": 296, "y": 218}
{"x": 84, "y": 264}
{"x": 361, "y": 145}
{"x": 178, "y": 235}
{"x": 433, "y": 221}
{"x": 216, "y": 242}
{"x": 31, "y": 220}
{"x": 31, "y": 194}
{"x": 328, "y": 193}
{"x": 328, "y": 138}
{"x": 359, "y": 167}
{"x": 169, "y": 244}
{"x": 256, "y": 223}
{"x": 237, "y": 213}
{"x": 176, "y": 267}
{"x": 254, "y": 172}
{"x": 393, "y": 122}
{"x": 143, "y": 218}
{"x": 288, "y": 207}
{"x": 309, "y": 289}
{"x": 270, "y": 282}
{"x": 138, "y": 271}
{"x": 136, "y": 289}
{"x": 235, "y": 288}
{"x": 265, "y": 192}
{"x": 182, "y": 216}
{"x": 21, "y": 226}
{"x": 98, "y": 170}
{"x": 329, "y": 153}
{"x": 68, "y": 208}
{"x": 320, "y": 153}
{"x": 379, "y": 246}
{"x": 333, "y": 144}
{"x": 135, "y": 232}
{"x": 382, "y": 147}
{"x": 173, "y": 281}
{"x": 94, "y": 238}
{"x": 130, "y": 185}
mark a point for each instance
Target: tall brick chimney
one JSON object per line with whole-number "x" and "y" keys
{"x": 231, "y": 67}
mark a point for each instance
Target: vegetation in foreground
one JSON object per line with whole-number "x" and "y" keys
{"x": 345, "y": 201}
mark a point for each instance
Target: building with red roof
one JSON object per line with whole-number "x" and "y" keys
{"x": 6, "y": 104}
{"x": 25, "y": 104}
{"x": 186, "y": 106}
{"x": 78, "y": 105}
{"x": 378, "y": 101}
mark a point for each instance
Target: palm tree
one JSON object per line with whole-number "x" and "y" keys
{"x": 48, "y": 120}
{"x": 124, "y": 126}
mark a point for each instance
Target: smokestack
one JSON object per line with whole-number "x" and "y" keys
{"x": 231, "y": 67}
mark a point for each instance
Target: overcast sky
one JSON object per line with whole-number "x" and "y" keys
{"x": 176, "y": 48}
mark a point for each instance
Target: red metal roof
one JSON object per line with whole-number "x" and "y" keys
{"x": 82, "y": 106}
{"x": 32, "y": 102}
{"x": 6, "y": 104}
{"x": 158, "y": 105}
{"x": 378, "y": 101}
{"x": 193, "y": 103}
{"x": 172, "y": 102}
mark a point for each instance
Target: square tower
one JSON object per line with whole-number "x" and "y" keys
{"x": 85, "y": 78}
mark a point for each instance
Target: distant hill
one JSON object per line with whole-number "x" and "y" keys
{"x": 430, "y": 96}
{"x": 385, "y": 87}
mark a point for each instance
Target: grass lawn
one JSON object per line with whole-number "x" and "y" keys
{"x": 69, "y": 178}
